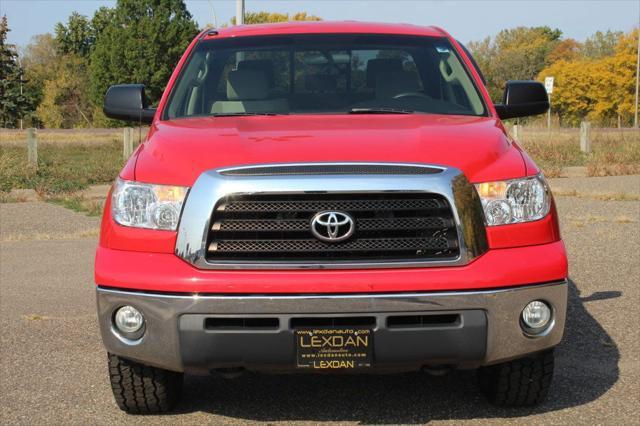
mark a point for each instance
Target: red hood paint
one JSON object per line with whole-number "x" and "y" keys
{"x": 178, "y": 151}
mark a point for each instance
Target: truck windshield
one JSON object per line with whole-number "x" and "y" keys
{"x": 323, "y": 74}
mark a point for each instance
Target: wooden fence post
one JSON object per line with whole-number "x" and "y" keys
{"x": 585, "y": 139}
{"x": 127, "y": 147}
{"x": 32, "y": 148}
{"x": 516, "y": 132}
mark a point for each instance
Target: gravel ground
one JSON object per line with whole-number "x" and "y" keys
{"x": 43, "y": 221}
{"x": 598, "y": 185}
{"x": 53, "y": 367}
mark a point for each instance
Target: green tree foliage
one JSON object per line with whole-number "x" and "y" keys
{"x": 601, "y": 44}
{"x": 141, "y": 43}
{"x": 13, "y": 104}
{"x": 57, "y": 68}
{"x": 273, "y": 17}
{"x": 514, "y": 54}
{"x": 101, "y": 19}
{"x": 76, "y": 37}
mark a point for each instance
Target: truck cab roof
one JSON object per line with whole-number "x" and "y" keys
{"x": 329, "y": 27}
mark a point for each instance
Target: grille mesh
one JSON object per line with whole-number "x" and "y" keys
{"x": 277, "y": 228}
{"x": 303, "y": 225}
{"x": 289, "y": 246}
{"x": 317, "y": 205}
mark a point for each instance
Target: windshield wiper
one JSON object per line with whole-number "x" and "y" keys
{"x": 240, "y": 114}
{"x": 380, "y": 111}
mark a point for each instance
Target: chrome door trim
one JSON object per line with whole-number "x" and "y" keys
{"x": 212, "y": 186}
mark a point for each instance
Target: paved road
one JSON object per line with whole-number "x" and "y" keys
{"x": 53, "y": 368}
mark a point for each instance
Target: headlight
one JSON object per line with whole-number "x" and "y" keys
{"x": 514, "y": 201}
{"x": 144, "y": 205}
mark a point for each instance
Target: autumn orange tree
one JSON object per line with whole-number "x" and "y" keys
{"x": 273, "y": 17}
{"x": 600, "y": 89}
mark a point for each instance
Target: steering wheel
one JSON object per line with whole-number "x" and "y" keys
{"x": 410, "y": 95}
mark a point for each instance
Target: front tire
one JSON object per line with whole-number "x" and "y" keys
{"x": 141, "y": 389}
{"x": 518, "y": 383}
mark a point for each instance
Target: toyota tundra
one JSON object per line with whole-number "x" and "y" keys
{"x": 329, "y": 197}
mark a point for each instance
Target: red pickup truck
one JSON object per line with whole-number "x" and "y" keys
{"x": 329, "y": 197}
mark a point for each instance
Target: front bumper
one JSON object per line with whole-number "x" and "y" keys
{"x": 177, "y": 338}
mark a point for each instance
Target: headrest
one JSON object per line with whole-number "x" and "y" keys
{"x": 376, "y": 66}
{"x": 265, "y": 65}
{"x": 321, "y": 82}
{"x": 247, "y": 85}
{"x": 389, "y": 84}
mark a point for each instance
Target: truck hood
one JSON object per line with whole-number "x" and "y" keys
{"x": 178, "y": 151}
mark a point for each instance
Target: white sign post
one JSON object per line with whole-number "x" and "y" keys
{"x": 548, "y": 85}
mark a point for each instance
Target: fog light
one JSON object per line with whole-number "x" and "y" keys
{"x": 128, "y": 320}
{"x": 536, "y": 316}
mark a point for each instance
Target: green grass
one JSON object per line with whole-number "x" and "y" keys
{"x": 79, "y": 204}
{"x": 62, "y": 168}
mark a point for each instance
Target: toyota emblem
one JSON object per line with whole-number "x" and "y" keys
{"x": 332, "y": 227}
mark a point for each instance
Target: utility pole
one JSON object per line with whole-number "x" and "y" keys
{"x": 213, "y": 12}
{"x": 21, "y": 71}
{"x": 635, "y": 119}
{"x": 239, "y": 12}
{"x": 549, "y": 115}
{"x": 548, "y": 85}
{"x": 239, "y": 21}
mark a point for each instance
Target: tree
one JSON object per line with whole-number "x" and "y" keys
{"x": 515, "y": 54}
{"x": 39, "y": 60}
{"x": 568, "y": 49}
{"x": 141, "y": 43}
{"x": 77, "y": 36}
{"x": 13, "y": 103}
{"x": 272, "y": 17}
{"x": 615, "y": 92}
{"x": 600, "y": 90}
{"x": 601, "y": 44}
{"x": 101, "y": 19}
{"x": 572, "y": 90}
{"x": 65, "y": 103}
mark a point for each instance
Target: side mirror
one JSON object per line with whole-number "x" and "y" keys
{"x": 128, "y": 102}
{"x": 523, "y": 98}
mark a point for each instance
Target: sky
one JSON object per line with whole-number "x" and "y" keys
{"x": 466, "y": 20}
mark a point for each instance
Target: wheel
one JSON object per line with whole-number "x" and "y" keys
{"x": 518, "y": 383}
{"x": 141, "y": 389}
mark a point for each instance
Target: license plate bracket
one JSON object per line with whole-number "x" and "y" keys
{"x": 327, "y": 348}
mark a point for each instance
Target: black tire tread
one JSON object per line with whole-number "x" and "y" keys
{"x": 519, "y": 383}
{"x": 142, "y": 389}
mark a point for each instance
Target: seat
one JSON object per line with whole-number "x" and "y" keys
{"x": 390, "y": 84}
{"x": 265, "y": 65}
{"x": 322, "y": 83}
{"x": 248, "y": 91}
{"x": 378, "y": 65}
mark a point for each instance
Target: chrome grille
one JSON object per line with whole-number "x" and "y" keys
{"x": 388, "y": 226}
{"x": 317, "y": 205}
{"x": 332, "y": 169}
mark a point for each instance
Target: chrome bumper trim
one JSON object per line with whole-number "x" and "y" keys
{"x": 160, "y": 346}
{"x": 214, "y": 185}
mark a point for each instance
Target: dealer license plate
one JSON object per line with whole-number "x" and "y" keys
{"x": 334, "y": 347}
